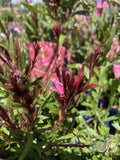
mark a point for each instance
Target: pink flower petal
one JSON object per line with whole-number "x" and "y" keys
{"x": 105, "y": 4}
{"x": 59, "y": 88}
{"x": 99, "y": 5}
{"x": 116, "y": 69}
{"x": 98, "y": 13}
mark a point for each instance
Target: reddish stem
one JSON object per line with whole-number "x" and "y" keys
{"x": 69, "y": 145}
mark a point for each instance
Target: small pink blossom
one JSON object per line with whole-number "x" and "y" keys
{"x": 102, "y": 5}
{"x": 17, "y": 72}
{"x": 59, "y": 88}
{"x": 116, "y": 69}
{"x": 19, "y": 29}
{"x": 98, "y": 13}
{"x": 115, "y": 49}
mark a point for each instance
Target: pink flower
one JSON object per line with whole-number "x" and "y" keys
{"x": 59, "y": 88}
{"x": 17, "y": 72}
{"x": 98, "y": 13}
{"x": 43, "y": 60}
{"x": 37, "y": 73}
{"x": 116, "y": 69}
{"x": 19, "y": 29}
{"x": 102, "y": 5}
{"x": 115, "y": 49}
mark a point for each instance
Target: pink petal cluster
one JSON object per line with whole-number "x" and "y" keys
{"x": 43, "y": 60}
{"x": 98, "y": 13}
{"x": 19, "y": 29}
{"x": 116, "y": 71}
{"x": 59, "y": 88}
{"x": 115, "y": 49}
{"x": 101, "y": 6}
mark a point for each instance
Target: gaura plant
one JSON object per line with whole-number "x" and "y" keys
{"x": 23, "y": 93}
{"x": 37, "y": 112}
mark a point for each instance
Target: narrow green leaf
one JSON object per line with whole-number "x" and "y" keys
{"x": 28, "y": 26}
{"x": 36, "y": 82}
{"x": 2, "y": 27}
{"x": 110, "y": 41}
{"x": 82, "y": 12}
{"x": 99, "y": 19}
{"x": 94, "y": 158}
{"x": 114, "y": 85}
{"x": 34, "y": 9}
{"x": 5, "y": 130}
{"x": 61, "y": 39}
{"x": 109, "y": 159}
{"x": 3, "y": 93}
{"x": 11, "y": 47}
{"x": 27, "y": 147}
{"x": 46, "y": 126}
{"x": 3, "y": 79}
{"x": 92, "y": 132}
{"x": 5, "y": 46}
{"x": 46, "y": 100}
{"x": 116, "y": 125}
{"x": 66, "y": 137}
{"x": 112, "y": 118}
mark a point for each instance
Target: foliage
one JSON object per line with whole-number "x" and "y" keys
{"x": 59, "y": 81}
{"x": 4, "y": 3}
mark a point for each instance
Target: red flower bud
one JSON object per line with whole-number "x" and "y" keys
{"x": 58, "y": 30}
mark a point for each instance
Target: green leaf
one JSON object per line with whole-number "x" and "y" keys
{"x": 114, "y": 85}
{"x": 93, "y": 132}
{"x": 3, "y": 79}
{"x": 69, "y": 136}
{"x": 28, "y": 26}
{"x": 2, "y": 27}
{"x": 61, "y": 39}
{"x": 116, "y": 125}
{"x": 46, "y": 100}
{"x": 109, "y": 159}
{"x": 86, "y": 72}
{"x": 53, "y": 110}
{"x": 82, "y": 12}
{"x": 46, "y": 126}
{"x": 98, "y": 19}
{"x": 37, "y": 81}
{"x": 5, "y": 131}
{"x": 27, "y": 147}
{"x": 4, "y": 45}
{"x": 11, "y": 47}
{"x": 112, "y": 118}
{"x": 94, "y": 158}
{"x": 34, "y": 9}
{"x": 42, "y": 117}
{"x": 110, "y": 41}
{"x": 3, "y": 93}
